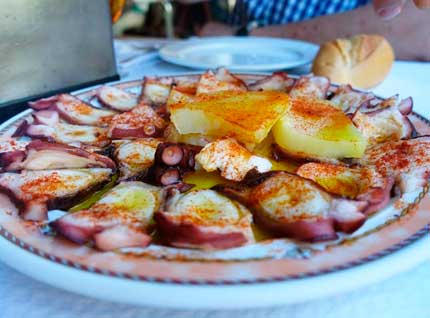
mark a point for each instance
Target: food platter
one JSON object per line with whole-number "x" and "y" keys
{"x": 275, "y": 264}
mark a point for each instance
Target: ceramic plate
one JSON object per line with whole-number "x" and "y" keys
{"x": 269, "y": 272}
{"x": 240, "y": 53}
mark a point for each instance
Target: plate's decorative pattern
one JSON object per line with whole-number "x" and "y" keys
{"x": 11, "y": 238}
{"x": 411, "y": 222}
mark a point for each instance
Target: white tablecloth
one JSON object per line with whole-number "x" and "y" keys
{"x": 406, "y": 295}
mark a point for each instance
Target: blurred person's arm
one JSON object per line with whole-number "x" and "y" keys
{"x": 408, "y": 33}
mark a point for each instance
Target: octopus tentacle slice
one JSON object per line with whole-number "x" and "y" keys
{"x": 41, "y": 155}
{"x": 141, "y": 122}
{"x": 121, "y": 218}
{"x": 172, "y": 161}
{"x": 44, "y": 103}
{"x": 315, "y": 86}
{"x": 278, "y": 81}
{"x": 12, "y": 144}
{"x": 155, "y": 90}
{"x": 356, "y": 183}
{"x": 35, "y": 192}
{"x": 117, "y": 99}
{"x": 350, "y": 100}
{"x": 135, "y": 157}
{"x": 406, "y": 105}
{"x": 383, "y": 124}
{"x": 12, "y": 150}
{"x": 289, "y": 205}
{"x": 73, "y": 110}
{"x": 232, "y": 159}
{"x": 221, "y": 80}
{"x": 46, "y": 117}
{"x": 65, "y": 133}
{"x": 407, "y": 161}
{"x": 204, "y": 219}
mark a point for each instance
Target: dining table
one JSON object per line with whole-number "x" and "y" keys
{"x": 403, "y": 295}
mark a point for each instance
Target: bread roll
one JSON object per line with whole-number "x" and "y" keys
{"x": 362, "y": 61}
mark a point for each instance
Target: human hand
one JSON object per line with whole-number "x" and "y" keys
{"x": 388, "y": 9}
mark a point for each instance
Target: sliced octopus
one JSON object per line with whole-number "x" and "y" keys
{"x": 41, "y": 155}
{"x": 123, "y": 217}
{"x": 36, "y": 192}
{"x": 383, "y": 124}
{"x": 73, "y": 110}
{"x": 155, "y": 90}
{"x": 117, "y": 99}
{"x": 291, "y": 206}
{"x": 77, "y": 135}
{"x": 350, "y": 100}
{"x": 231, "y": 159}
{"x": 204, "y": 219}
{"x": 357, "y": 183}
{"x": 141, "y": 122}
{"x": 171, "y": 162}
{"x": 407, "y": 161}
{"x": 278, "y": 81}
{"x": 135, "y": 157}
{"x": 221, "y": 80}
{"x": 315, "y": 86}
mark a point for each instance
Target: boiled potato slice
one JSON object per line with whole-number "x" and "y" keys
{"x": 245, "y": 116}
{"x": 314, "y": 128}
{"x": 172, "y": 135}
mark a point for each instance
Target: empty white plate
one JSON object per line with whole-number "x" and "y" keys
{"x": 240, "y": 53}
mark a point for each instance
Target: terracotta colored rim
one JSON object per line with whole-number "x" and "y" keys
{"x": 16, "y": 241}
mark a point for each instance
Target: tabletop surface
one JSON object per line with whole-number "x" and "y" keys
{"x": 405, "y": 295}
